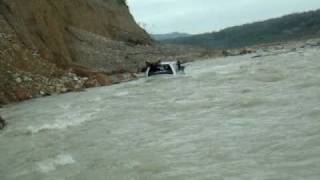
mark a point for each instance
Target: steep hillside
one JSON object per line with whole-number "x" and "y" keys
{"x": 40, "y": 48}
{"x": 290, "y": 27}
{"x": 48, "y": 25}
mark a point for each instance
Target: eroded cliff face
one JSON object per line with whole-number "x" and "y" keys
{"x": 40, "y": 48}
{"x": 48, "y": 25}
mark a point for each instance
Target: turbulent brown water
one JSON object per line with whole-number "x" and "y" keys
{"x": 232, "y": 118}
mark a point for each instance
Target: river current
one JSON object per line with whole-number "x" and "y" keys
{"x": 228, "y": 118}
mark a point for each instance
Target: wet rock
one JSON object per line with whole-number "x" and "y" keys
{"x": 246, "y": 51}
{"x": 91, "y": 83}
{"x": 245, "y": 91}
{"x": 42, "y": 93}
{"x": 236, "y": 52}
{"x": 226, "y": 53}
{"x": 63, "y": 90}
{"x": 2, "y": 123}
{"x": 257, "y": 56}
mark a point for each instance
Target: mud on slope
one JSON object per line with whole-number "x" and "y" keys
{"x": 45, "y": 25}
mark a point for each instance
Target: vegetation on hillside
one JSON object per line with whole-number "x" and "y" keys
{"x": 289, "y": 27}
{"x": 174, "y": 35}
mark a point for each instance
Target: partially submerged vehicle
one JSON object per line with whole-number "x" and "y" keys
{"x": 164, "y": 67}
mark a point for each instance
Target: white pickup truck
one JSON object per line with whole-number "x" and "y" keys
{"x": 164, "y": 67}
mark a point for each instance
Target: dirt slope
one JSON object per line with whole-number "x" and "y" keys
{"x": 39, "y": 52}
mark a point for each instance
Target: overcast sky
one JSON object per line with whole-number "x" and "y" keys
{"x": 198, "y": 16}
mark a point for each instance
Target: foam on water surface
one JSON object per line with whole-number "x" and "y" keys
{"x": 69, "y": 119}
{"x": 50, "y": 165}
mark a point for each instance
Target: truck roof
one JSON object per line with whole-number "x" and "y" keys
{"x": 168, "y": 62}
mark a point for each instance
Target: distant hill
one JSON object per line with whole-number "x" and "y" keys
{"x": 161, "y": 37}
{"x": 289, "y": 27}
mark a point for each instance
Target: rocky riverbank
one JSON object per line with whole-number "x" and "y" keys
{"x": 273, "y": 48}
{"x": 25, "y": 74}
{"x": 285, "y": 47}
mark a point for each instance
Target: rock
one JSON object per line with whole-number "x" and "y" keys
{"x": 85, "y": 79}
{"x": 64, "y": 90}
{"x": 26, "y": 78}
{"x": 18, "y": 80}
{"x": 293, "y": 49}
{"x": 91, "y": 83}
{"x": 42, "y": 93}
{"x": 22, "y": 94}
{"x": 257, "y": 56}
{"x": 2, "y": 123}
{"x": 226, "y": 53}
{"x": 3, "y": 35}
{"x": 246, "y": 51}
{"x": 75, "y": 78}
